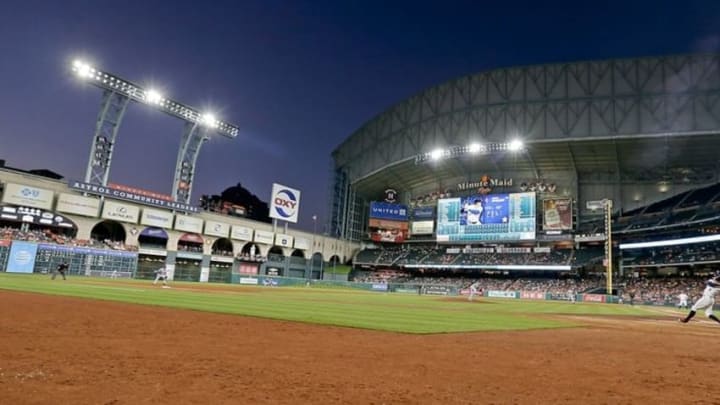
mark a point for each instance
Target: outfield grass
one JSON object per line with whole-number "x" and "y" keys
{"x": 350, "y": 308}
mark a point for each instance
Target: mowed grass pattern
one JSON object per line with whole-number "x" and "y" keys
{"x": 348, "y": 308}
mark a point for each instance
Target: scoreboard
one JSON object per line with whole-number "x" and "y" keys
{"x": 487, "y": 218}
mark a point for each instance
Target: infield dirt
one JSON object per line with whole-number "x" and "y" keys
{"x": 58, "y": 350}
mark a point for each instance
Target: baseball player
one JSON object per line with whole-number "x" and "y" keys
{"x": 682, "y": 300}
{"x": 161, "y": 274}
{"x": 474, "y": 287}
{"x": 707, "y": 300}
{"x": 473, "y": 212}
{"x": 61, "y": 268}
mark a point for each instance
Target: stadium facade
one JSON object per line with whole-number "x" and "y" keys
{"x": 634, "y": 131}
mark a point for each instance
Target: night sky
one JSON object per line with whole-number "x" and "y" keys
{"x": 297, "y": 77}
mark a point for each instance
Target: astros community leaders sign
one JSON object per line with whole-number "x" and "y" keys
{"x": 123, "y": 194}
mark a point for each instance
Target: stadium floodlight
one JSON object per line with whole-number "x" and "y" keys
{"x": 153, "y": 96}
{"x": 135, "y": 92}
{"x": 209, "y": 120}
{"x": 437, "y": 154}
{"x": 474, "y": 148}
{"x": 670, "y": 242}
{"x": 515, "y": 145}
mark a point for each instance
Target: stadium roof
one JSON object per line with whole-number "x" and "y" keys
{"x": 672, "y": 158}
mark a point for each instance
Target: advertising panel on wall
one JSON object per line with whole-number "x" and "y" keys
{"x": 302, "y": 243}
{"x": 28, "y": 196}
{"x": 120, "y": 212}
{"x": 78, "y": 205}
{"x": 131, "y": 194}
{"x": 284, "y": 203}
{"x": 34, "y": 216}
{"x": 423, "y": 213}
{"x": 264, "y": 237}
{"x": 392, "y": 212}
{"x": 188, "y": 224}
{"x": 157, "y": 218}
{"x": 22, "y": 257}
{"x": 422, "y": 227}
{"x": 493, "y": 217}
{"x": 557, "y": 214}
{"x": 382, "y": 230}
{"x": 283, "y": 240}
{"x": 241, "y": 233}
{"x": 216, "y": 228}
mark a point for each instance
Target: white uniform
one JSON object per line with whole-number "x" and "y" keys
{"x": 683, "y": 298}
{"x": 707, "y": 300}
{"x": 473, "y": 290}
{"x": 474, "y": 211}
{"x": 161, "y": 274}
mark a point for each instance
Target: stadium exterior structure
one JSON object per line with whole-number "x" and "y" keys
{"x": 631, "y": 130}
{"x": 300, "y": 257}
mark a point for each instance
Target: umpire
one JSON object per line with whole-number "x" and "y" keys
{"x": 61, "y": 268}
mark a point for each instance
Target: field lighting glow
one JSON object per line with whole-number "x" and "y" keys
{"x": 436, "y": 154}
{"x": 474, "y": 148}
{"x": 150, "y": 96}
{"x": 515, "y": 145}
{"x": 153, "y": 96}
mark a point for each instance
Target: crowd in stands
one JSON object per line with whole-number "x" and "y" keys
{"x": 195, "y": 248}
{"x": 693, "y": 253}
{"x": 439, "y": 255}
{"x": 660, "y": 291}
{"x": 48, "y": 236}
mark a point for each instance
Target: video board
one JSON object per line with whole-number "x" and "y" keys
{"x": 487, "y": 218}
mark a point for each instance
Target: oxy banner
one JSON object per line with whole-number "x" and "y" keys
{"x": 501, "y": 294}
{"x": 284, "y": 203}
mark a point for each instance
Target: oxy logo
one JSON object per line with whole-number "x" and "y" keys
{"x": 30, "y": 192}
{"x": 285, "y": 203}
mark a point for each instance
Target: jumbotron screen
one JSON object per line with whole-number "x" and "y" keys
{"x": 486, "y": 218}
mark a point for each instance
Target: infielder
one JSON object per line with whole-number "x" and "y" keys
{"x": 683, "y": 300}
{"x": 161, "y": 274}
{"x": 473, "y": 212}
{"x": 707, "y": 300}
{"x": 474, "y": 287}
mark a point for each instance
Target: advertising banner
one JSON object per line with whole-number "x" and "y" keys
{"x": 393, "y": 212}
{"x": 423, "y": 213}
{"x": 154, "y": 233}
{"x": 264, "y": 237}
{"x": 248, "y": 268}
{"x": 501, "y": 294}
{"x": 302, "y": 243}
{"x": 388, "y": 235}
{"x": 594, "y": 297}
{"x": 557, "y": 214}
{"x": 216, "y": 228}
{"x": 157, "y": 218}
{"x": 284, "y": 203}
{"x": 248, "y": 280}
{"x": 436, "y": 290}
{"x": 422, "y": 227}
{"x": 78, "y": 205}
{"x": 283, "y": 240}
{"x": 385, "y": 224}
{"x": 34, "y": 216}
{"x": 28, "y": 196}
{"x": 120, "y": 212}
{"x": 379, "y": 287}
{"x": 241, "y": 233}
{"x": 124, "y": 194}
{"x": 22, "y": 257}
{"x": 532, "y": 295}
{"x": 188, "y": 224}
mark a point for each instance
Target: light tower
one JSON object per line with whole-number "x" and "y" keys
{"x": 117, "y": 94}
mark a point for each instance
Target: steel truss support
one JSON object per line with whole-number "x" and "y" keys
{"x": 112, "y": 110}
{"x": 192, "y": 140}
